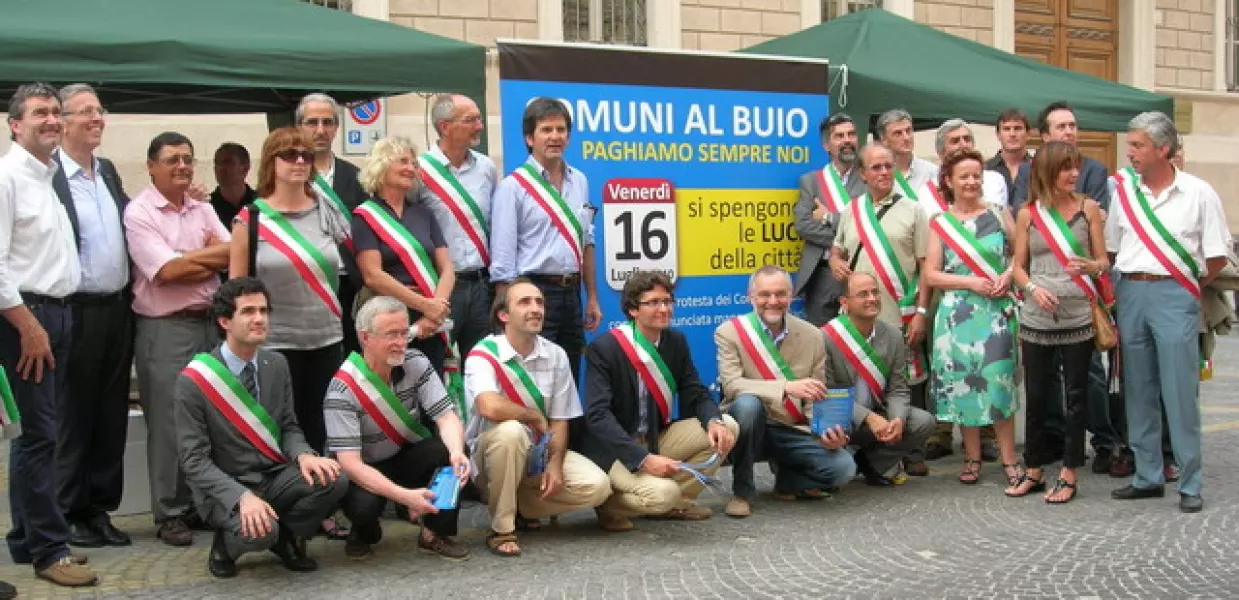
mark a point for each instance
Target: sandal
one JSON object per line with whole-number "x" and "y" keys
{"x": 1019, "y": 473}
{"x": 1038, "y": 485}
{"x": 971, "y": 473}
{"x": 335, "y": 531}
{"x": 526, "y": 524}
{"x": 1059, "y": 486}
{"x": 495, "y": 542}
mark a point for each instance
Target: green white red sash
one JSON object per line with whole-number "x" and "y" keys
{"x": 1164, "y": 247}
{"x": 878, "y": 248}
{"x": 10, "y": 414}
{"x": 1063, "y": 243}
{"x": 380, "y": 402}
{"x": 860, "y": 354}
{"x": 933, "y": 201}
{"x": 761, "y": 350}
{"x": 319, "y": 274}
{"x": 982, "y": 261}
{"x": 650, "y": 366}
{"x": 552, "y": 202}
{"x": 225, "y": 392}
{"x": 453, "y": 382}
{"x": 440, "y": 180}
{"x": 834, "y": 193}
{"x": 324, "y": 189}
{"x": 511, "y": 375}
{"x": 916, "y": 354}
{"x": 905, "y": 188}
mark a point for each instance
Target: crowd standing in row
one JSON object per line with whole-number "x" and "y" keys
{"x": 379, "y": 324}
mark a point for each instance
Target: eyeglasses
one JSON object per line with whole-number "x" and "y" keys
{"x": 659, "y": 303}
{"x": 470, "y": 120}
{"x": 328, "y": 122}
{"x": 392, "y": 336}
{"x": 881, "y": 167}
{"x": 779, "y": 295}
{"x": 291, "y": 155}
{"x": 93, "y": 111}
{"x": 182, "y": 159}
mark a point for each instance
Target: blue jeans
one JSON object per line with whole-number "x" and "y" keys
{"x": 749, "y": 413}
{"x": 803, "y": 463}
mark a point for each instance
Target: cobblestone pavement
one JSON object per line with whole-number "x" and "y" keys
{"x": 927, "y": 539}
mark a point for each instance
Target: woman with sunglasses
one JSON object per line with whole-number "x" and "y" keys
{"x": 290, "y": 238}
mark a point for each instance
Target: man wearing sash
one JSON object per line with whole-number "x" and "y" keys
{"x": 646, "y": 411}
{"x": 544, "y": 229}
{"x": 866, "y": 353}
{"x": 373, "y": 412}
{"x": 1167, "y": 236}
{"x": 520, "y": 389}
{"x": 772, "y": 366}
{"x": 255, "y": 480}
{"x": 894, "y": 129}
{"x": 823, "y": 195}
{"x": 457, "y": 186}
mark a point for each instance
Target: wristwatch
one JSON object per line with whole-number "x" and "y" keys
{"x": 921, "y": 310}
{"x": 1030, "y": 287}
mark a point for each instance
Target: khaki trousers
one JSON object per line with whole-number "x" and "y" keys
{"x": 643, "y": 494}
{"x": 501, "y": 456}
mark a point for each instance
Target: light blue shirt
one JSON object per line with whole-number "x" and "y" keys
{"x": 777, "y": 339}
{"x": 477, "y": 175}
{"x": 524, "y": 240}
{"x": 235, "y": 365}
{"x": 105, "y": 264}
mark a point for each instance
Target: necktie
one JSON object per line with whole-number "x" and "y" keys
{"x": 249, "y": 379}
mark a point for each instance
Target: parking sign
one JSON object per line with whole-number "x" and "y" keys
{"x": 364, "y": 124}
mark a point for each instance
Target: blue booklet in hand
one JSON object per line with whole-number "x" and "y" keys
{"x": 538, "y": 454}
{"x": 835, "y": 410}
{"x": 446, "y": 488}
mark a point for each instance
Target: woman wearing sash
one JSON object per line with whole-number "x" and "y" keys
{"x": 1059, "y": 244}
{"x": 972, "y": 367}
{"x": 295, "y": 255}
{"x": 400, "y": 249}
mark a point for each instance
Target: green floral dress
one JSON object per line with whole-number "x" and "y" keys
{"x": 972, "y": 364}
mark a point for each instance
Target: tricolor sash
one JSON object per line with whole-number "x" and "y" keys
{"x": 916, "y": 354}
{"x": 380, "y": 402}
{"x": 650, "y": 366}
{"x": 319, "y": 274}
{"x": 226, "y": 393}
{"x": 762, "y": 351}
{"x": 905, "y": 188}
{"x": 440, "y": 180}
{"x": 1063, "y": 243}
{"x": 324, "y": 189}
{"x": 10, "y": 414}
{"x": 511, "y": 375}
{"x": 860, "y": 354}
{"x": 932, "y": 201}
{"x": 552, "y": 202}
{"x": 1164, "y": 247}
{"x": 982, "y": 261}
{"x": 453, "y": 382}
{"x": 879, "y": 250}
{"x": 834, "y": 193}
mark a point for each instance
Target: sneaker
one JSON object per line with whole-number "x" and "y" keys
{"x": 443, "y": 546}
{"x": 68, "y": 573}
{"x": 174, "y": 532}
{"x": 738, "y": 508}
{"x": 1170, "y": 471}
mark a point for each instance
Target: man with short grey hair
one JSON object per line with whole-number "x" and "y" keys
{"x": 954, "y": 135}
{"x": 895, "y": 131}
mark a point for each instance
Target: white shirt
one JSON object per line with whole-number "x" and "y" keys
{"x": 37, "y": 249}
{"x": 1189, "y": 209}
{"x": 993, "y": 191}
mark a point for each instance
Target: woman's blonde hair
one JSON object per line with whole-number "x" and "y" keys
{"x": 383, "y": 155}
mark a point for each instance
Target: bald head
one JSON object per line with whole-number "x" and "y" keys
{"x": 858, "y": 280}
{"x": 878, "y": 170}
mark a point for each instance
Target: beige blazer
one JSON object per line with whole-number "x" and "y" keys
{"x": 804, "y": 349}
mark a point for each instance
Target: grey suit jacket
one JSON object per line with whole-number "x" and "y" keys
{"x": 889, "y": 343}
{"x": 219, "y": 463}
{"x": 818, "y": 236}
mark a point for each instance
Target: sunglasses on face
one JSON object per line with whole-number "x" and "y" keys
{"x": 292, "y": 154}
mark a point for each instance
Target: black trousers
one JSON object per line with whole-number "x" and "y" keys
{"x": 1040, "y": 366}
{"x": 311, "y": 372}
{"x": 90, "y": 452}
{"x": 412, "y": 467}
{"x": 563, "y": 322}
{"x": 471, "y": 299}
{"x": 40, "y": 533}
{"x": 821, "y": 296}
{"x": 347, "y": 294}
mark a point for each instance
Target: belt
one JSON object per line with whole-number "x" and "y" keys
{"x": 561, "y": 280}
{"x": 191, "y": 313}
{"x": 96, "y": 298}
{"x": 33, "y": 298}
{"x": 1145, "y": 277}
{"x": 472, "y": 275}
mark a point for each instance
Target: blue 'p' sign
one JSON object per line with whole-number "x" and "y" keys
{"x": 354, "y": 137}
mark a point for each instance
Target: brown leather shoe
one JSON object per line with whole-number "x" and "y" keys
{"x": 174, "y": 532}
{"x": 444, "y": 546}
{"x": 613, "y": 523}
{"x": 1123, "y": 465}
{"x": 738, "y": 508}
{"x": 69, "y": 574}
{"x": 692, "y": 512}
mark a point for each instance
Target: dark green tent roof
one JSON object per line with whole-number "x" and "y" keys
{"x": 896, "y": 63}
{"x": 225, "y": 56}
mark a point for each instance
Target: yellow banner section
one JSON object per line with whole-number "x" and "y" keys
{"x": 733, "y": 232}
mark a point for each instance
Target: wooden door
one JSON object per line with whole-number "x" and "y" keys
{"x": 1081, "y": 35}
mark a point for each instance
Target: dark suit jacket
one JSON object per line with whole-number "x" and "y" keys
{"x": 819, "y": 236}
{"x": 218, "y": 462}
{"x": 347, "y": 186}
{"x": 60, "y": 182}
{"x": 1092, "y": 183}
{"x": 611, "y": 409}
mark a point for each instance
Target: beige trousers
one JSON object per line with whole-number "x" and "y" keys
{"x": 643, "y": 494}
{"x": 501, "y": 456}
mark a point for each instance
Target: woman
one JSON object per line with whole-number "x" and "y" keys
{"x": 1059, "y": 248}
{"x": 400, "y": 248}
{"x": 293, "y": 250}
{"x": 972, "y": 374}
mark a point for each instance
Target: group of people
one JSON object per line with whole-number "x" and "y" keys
{"x": 330, "y": 341}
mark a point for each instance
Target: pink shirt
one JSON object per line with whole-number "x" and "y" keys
{"x": 157, "y": 233}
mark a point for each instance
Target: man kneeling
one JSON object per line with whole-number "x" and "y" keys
{"x": 254, "y": 478}
{"x": 373, "y": 413}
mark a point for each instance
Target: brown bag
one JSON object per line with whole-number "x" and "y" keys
{"x": 1105, "y": 334}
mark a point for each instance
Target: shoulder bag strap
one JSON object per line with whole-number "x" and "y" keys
{"x": 861, "y": 246}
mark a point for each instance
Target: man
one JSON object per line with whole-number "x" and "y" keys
{"x": 335, "y": 181}
{"x": 373, "y": 411}
{"x": 894, "y": 129}
{"x": 232, "y": 166}
{"x": 255, "y": 480}
{"x": 1057, "y": 122}
{"x": 772, "y": 366}
{"x": 1158, "y": 310}
{"x": 823, "y": 195}
{"x": 883, "y": 224}
{"x": 520, "y": 390}
{"x": 90, "y": 452}
{"x": 954, "y": 135}
{"x": 1012, "y": 128}
{"x": 39, "y": 269}
{"x": 459, "y": 182}
{"x": 647, "y": 410}
{"x": 544, "y": 229}
{"x": 884, "y": 427}
{"x": 178, "y": 247}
